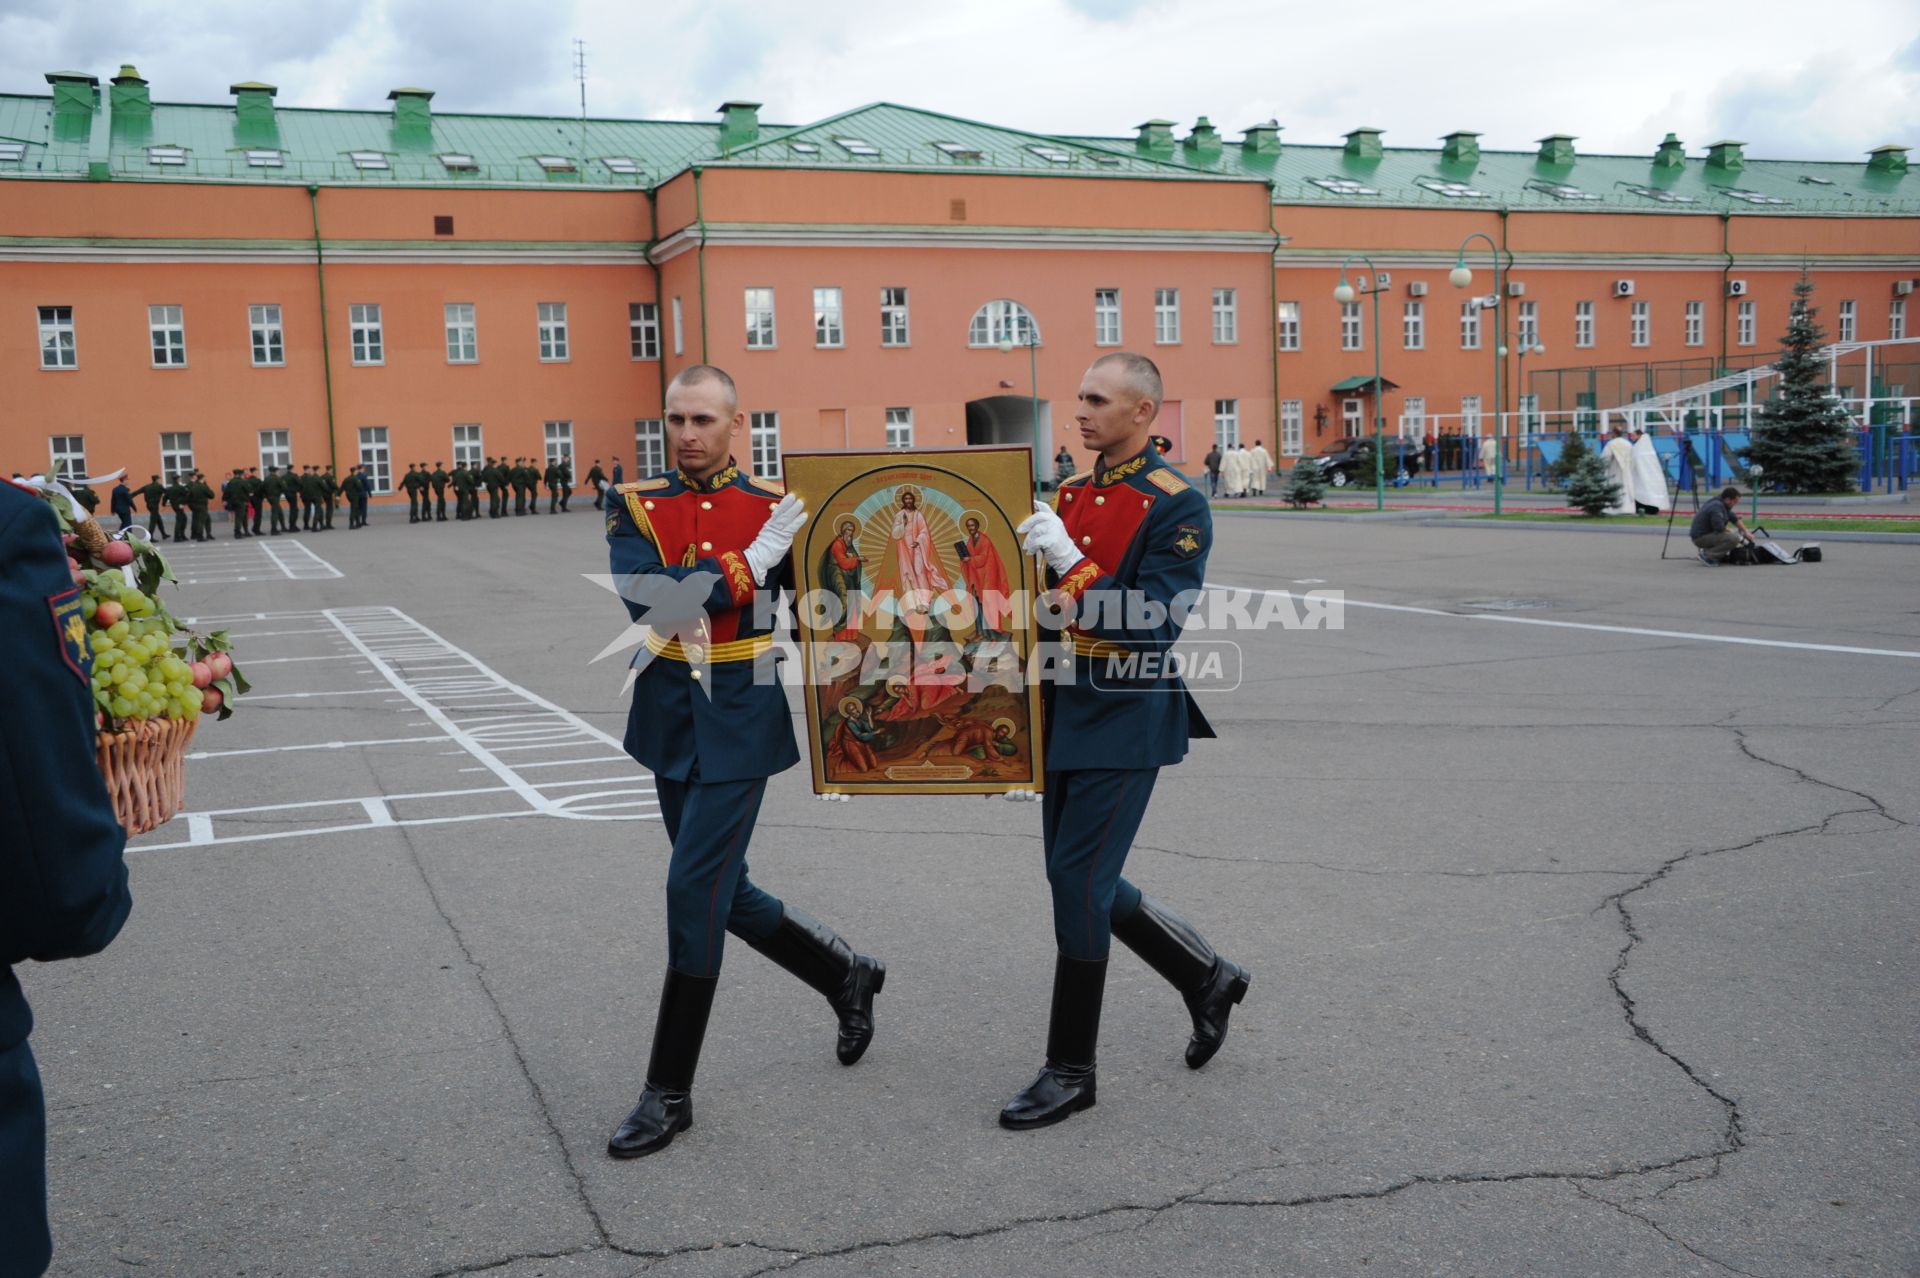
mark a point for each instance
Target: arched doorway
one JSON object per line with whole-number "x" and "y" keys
{"x": 1009, "y": 420}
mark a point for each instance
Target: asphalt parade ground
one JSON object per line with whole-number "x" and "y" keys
{"x": 1579, "y": 891}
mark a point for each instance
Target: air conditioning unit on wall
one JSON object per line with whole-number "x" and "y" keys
{"x": 1516, "y": 288}
{"x": 1736, "y": 288}
{"x": 1418, "y": 288}
{"x": 1902, "y": 287}
{"x": 1623, "y": 288}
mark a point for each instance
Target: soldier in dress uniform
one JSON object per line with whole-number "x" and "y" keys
{"x": 597, "y": 480}
{"x": 63, "y": 882}
{"x": 329, "y": 497}
{"x": 460, "y": 479}
{"x": 439, "y": 481}
{"x": 1130, "y": 531}
{"x": 495, "y": 475}
{"x": 710, "y": 721}
{"x": 199, "y": 499}
{"x": 256, "y": 486}
{"x": 552, "y": 478}
{"x": 270, "y": 490}
{"x": 177, "y": 501}
{"x": 233, "y": 495}
{"x": 153, "y": 492}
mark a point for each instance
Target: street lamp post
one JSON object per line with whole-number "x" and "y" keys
{"x": 1032, "y": 343}
{"x": 1460, "y": 277}
{"x": 1520, "y": 396}
{"x": 1343, "y": 294}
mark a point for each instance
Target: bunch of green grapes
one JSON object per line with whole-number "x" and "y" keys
{"x": 137, "y": 673}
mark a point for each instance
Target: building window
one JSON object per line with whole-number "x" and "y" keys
{"x": 1469, "y": 326}
{"x": 559, "y": 437}
{"x": 276, "y": 448}
{"x": 1292, "y": 428}
{"x": 1002, "y": 321}
{"x": 1413, "y": 417}
{"x": 643, "y": 330}
{"x": 829, "y": 328}
{"x": 760, "y": 330}
{"x": 1106, "y": 317}
{"x": 1529, "y": 412}
{"x": 467, "y": 450}
{"x": 893, "y": 317}
{"x": 1640, "y": 324}
{"x": 679, "y": 330}
{"x": 1529, "y": 325}
{"x": 1226, "y": 422}
{"x": 649, "y": 446}
{"x": 269, "y": 339}
{"x": 1696, "y": 323}
{"x": 1166, "y": 317}
{"x": 1470, "y": 415}
{"x": 463, "y": 334}
{"x": 176, "y": 454}
{"x": 1351, "y": 422}
{"x": 763, "y": 433}
{"x": 1413, "y": 325}
{"x": 167, "y": 329}
{"x": 1848, "y": 325}
{"x": 1745, "y": 321}
{"x": 1286, "y": 318}
{"x": 68, "y": 454}
{"x": 369, "y": 346}
{"x": 553, "y": 332}
{"x": 1226, "y": 316}
{"x": 1350, "y": 327}
{"x": 1583, "y": 323}
{"x": 375, "y": 459}
{"x": 1897, "y": 320}
{"x": 899, "y": 428}
{"x": 57, "y": 349}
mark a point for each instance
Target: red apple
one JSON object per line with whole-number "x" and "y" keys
{"x": 210, "y": 700}
{"x": 108, "y": 612}
{"x": 118, "y": 554}
{"x": 73, "y": 570}
{"x": 202, "y": 674}
{"x": 221, "y": 665}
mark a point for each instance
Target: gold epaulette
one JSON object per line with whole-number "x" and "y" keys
{"x": 1168, "y": 480}
{"x": 1074, "y": 479}
{"x": 653, "y": 485}
{"x": 774, "y": 486}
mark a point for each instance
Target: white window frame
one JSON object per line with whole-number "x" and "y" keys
{"x": 176, "y": 454}
{"x": 1226, "y": 422}
{"x": 643, "y": 330}
{"x": 763, "y": 439}
{"x": 67, "y": 456}
{"x": 1166, "y": 317}
{"x": 1849, "y": 321}
{"x": 679, "y": 328}
{"x": 1106, "y": 317}
{"x": 899, "y": 428}
{"x": 649, "y": 447}
{"x": 57, "y": 338}
{"x": 1897, "y": 320}
{"x": 276, "y": 448}
{"x": 1583, "y": 324}
{"x": 369, "y": 344}
{"x": 829, "y": 319}
{"x": 558, "y": 436}
{"x": 267, "y": 337}
{"x": 167, "y": 335}
{"x": 1002, "y": 320}
{"x": 1293, "y": 427}
{"x": 895, "y": 318}
{"x": 469, "y": 444}
{"x": 555, "y": 345}
{"x": 1640, "y": 323}
{"x": 1352, "y": 335}
{"x": 1353, "y": 420}
{"x": 1413, "y": 325}
{"x": 763, "y": 333}
{"x": 1528, "y": 324}
{"x": 1470, "y": 416}
{"x": 1696, "y": 324}
{"x": 376, "y": 458}
{"x": 1413, "y": 417}
{"x": 1469, "y": 325}
{"x": 463, "y": 332}
{"x": 1746, "y": 322}
{"x": 1286, "y": 323}
{"x": 1226, "y": 317}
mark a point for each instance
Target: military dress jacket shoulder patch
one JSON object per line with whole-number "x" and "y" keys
{"x": 70, "y": 630}
{"x": 1189, "y": 540}
{"x": 1167, "y": 479}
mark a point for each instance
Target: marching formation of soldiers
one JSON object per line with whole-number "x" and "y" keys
{"x": 521, "y": 480}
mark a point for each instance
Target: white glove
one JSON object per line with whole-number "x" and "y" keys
{"x": 1020, "y": 796}
{"x": 1042, "y": 533}
{"x": 833, "y": 798}
{"x": 776, "y": 537}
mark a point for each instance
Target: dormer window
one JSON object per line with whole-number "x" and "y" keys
{"x": 854, "y": 146}
{"x": 1661, "y": 197}
{"x": 1753, "y": 197}
{"x": 1561, "y": 191}
{"x": 369, "y": 161}
{"x": 620, "y": 164}
{"x": 1052, "y": 154}
{"x": 1342, "y": 186}
{"x": 803, "y": 148}
{"x": 1452, "y": 190}
{"x": 266, "y": 159}
{"x": 167, "y": 156}
{"x": 12, "y": 152}
{"x": 554, "y": 163}
{"x": 456, "y": 162}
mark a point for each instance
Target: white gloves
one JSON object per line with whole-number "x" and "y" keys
{"x": 776, "y": 537}
{"x": 1042, "y": 533}
{"x": 1021, "y": 796}
{"x": 833, "y": 798}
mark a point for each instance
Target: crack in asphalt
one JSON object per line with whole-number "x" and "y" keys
{"x": 1654, "y": 1225}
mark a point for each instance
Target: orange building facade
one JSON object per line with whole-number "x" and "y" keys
{"x": 156, "y": 319}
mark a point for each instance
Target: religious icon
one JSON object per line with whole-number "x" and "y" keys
{"x": 916, "y": 621}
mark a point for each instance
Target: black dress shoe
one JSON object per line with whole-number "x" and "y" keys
{"x": 817, "y": 955}
{"x": 653, "y": 1123}
{"x": 1209, "y": 985}
{"x": 1210, "y": 1006}
{"x": 1058, "y": 1094}
{"x": 1066, "y": 1084}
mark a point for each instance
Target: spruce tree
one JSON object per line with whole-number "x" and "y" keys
{"x": 1590, "y": 487}
{"x": 1573, "y": 451}
{"x": 1306, "y": 483}
{"x": 1803, "y": 439}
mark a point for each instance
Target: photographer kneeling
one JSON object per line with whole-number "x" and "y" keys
{"x": 1717, "y": 532}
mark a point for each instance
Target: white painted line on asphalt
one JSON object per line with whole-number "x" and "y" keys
{"x": 314, "y": 569}
{"x": 1696, "y": 636}
{"x": 377, "y": 811}
{"x": 352, "y": 803}
{"x": 199, "y": 828}
{"x": 317, "y": 745}
{"x": 285, "y": 696}
{"x": 281, "y": 661}
{"x": 349, "y": 829}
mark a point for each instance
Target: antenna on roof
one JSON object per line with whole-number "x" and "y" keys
{"x": 580, "y": 74}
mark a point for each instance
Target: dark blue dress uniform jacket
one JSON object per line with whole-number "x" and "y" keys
{"x": 63, "y": 883}
{"x": 733, "y": 723}
{"x": 1144, "y": 530}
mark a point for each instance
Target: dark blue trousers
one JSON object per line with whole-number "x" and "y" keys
{"x": 1089, "y": 818}
{"x": 25, "y": 1247}
{"x": 708, "y": 891}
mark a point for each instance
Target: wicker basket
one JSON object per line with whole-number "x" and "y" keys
{"x": 145, "y": 770}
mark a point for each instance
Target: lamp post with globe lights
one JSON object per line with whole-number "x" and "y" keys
{"x": 1343, "y": 294}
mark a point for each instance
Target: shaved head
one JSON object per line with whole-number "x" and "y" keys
{"x": 1137, "y": 373}
{"x": 698, "y": 374}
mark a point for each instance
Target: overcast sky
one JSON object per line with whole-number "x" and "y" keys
{"x": 1793, "y": 79}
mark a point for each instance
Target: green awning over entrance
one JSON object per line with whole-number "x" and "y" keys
{"x": 1361, "y": 384}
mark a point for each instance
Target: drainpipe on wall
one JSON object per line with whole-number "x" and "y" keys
{"x": 1273, "y": 324}
{"x": 659, "y": 300}
{"x": 1726, "y": 273}
{"x": 326, "y": 359}
{"x": 700, "y": 220}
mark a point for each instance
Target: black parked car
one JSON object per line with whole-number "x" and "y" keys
{"x": 1351, "y": 460}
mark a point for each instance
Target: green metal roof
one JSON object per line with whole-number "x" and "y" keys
{"x": 315, "y": 146}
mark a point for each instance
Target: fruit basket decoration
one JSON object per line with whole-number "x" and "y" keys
{"x": 153, "y": 677}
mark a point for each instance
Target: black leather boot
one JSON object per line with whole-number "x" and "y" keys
{"x": 666, "y": 1102}
{"x": 1208, "y": 983}
{"x": 813, "y": 952}
{"x": 1066, "y": 1083}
